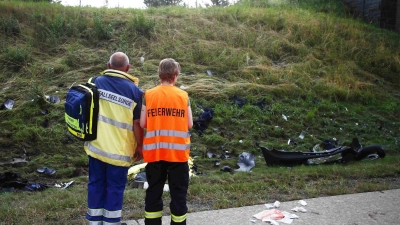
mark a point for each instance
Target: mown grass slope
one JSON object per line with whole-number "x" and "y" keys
{"x": 330, "y": 75}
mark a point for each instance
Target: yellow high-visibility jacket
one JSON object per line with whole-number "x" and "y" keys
{"x": 119, "y": 96}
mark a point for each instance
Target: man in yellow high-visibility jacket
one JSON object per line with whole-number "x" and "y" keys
{"x": 119, "y": 141}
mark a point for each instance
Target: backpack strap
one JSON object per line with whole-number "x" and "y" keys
{"x": 91, "y": 80}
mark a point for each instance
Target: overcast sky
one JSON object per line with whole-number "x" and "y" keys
{"x": 124, "y": 3}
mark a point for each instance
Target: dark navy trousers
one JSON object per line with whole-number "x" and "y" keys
{"x": 177, "y": 174}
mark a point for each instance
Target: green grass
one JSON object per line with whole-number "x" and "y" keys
{"x": 330, "y": 74}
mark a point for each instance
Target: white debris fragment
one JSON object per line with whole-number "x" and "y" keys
{"x": 146, "y": 185}
{"x": 253, "y": 221}
{"x": 302, "y": 202}
{"x": 141, "y": 60}
{"x": 276, "y": 204}
{"x": 271, "y": 221}
{"x": 269, "y": 206}
{"x": 292, "y": 216}
{"x": 284, "y": 117}
{"x": 183, "y": 87}
{"x": 240, "y": 141}
{"x": 299, "y": 209}
{"x": 301, "y": 136}
{"x": 346, "y": 108}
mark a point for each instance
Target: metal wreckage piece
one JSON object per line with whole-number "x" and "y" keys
{"x": 346, "y": 153}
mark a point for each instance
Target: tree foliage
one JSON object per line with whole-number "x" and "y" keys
{"x": 159, "y": 3}
{"x": 220, "y": 2}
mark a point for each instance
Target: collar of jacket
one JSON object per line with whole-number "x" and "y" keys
{"x": 117, "y": 73}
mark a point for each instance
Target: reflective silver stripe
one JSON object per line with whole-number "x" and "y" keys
{"x": 112, "y": 214}
{"x": 95, "y": 212}
{"x": 116, "y": 98}
{"x": 107, "y": 223}
{"x": 178, "y": 219}
{"x": 153, "y": 215}
{"x": 115, "y": 123}
{"x": 95, "y": 222}
{"x": 107, "y": 154}
{"x": 171, "y": 133}
{"x": 167, "y": 145}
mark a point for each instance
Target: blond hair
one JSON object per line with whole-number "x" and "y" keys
{"x": 168, "y": 69}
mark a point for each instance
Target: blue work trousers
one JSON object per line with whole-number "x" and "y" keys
{"x": 105, "y": 192}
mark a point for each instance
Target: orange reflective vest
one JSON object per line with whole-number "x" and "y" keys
{"x": 167, "y": 136}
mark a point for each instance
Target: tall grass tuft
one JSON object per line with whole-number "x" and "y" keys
{"x": 9, "y": 25}
{"x": 16, "y": 58}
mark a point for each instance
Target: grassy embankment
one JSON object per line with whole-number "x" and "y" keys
{"x": 331, "y": 75}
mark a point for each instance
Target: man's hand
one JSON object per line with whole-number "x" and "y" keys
{"x": 138, "y": 153}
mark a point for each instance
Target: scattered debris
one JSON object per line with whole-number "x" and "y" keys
{"x": 301, "y": 136}
{"x": 44, "y": 111}
{"x": 354, "y": 152}
{"x": 201, "y": 124}
{"x": 292, "y": 141}
{"x": 45, "y": 123}
{"x": 299, "y": 209}
{"x": 316, "y": 101}
{"x": 8, "y": 104}
{"x": 224, "y": 156}
{"x": 141, "y": 176}
{"x": 166, "y": 186}
{"x": 302, "y": 202}
{"x": 260, "y": 104}
{"x": 64, "y": 185}
{"x": 276, "y": 204}
{"x": 239, "y": 101}
{"x": 53, "y": 99}
{"x": 35, "y": 187}
{"x": 284, "y": 117}
{"x": 209, "y": 72}
{"x": 45, "y": 170}
{"x": 226, "y": 169}
{"x": 372, "y": 157}
{"x": 269, "y": 214}
{"x": 14, "y": 160}
{"x": 246, "y": 162}
{"x": 183, "y": 87}
{"x": 11, "y": 181}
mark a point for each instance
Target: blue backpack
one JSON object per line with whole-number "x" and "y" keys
{"x": 82, "y": 110}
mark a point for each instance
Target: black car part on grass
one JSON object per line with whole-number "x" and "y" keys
{"x": 354, "y": 152}
{"x": 201, "y": 124}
